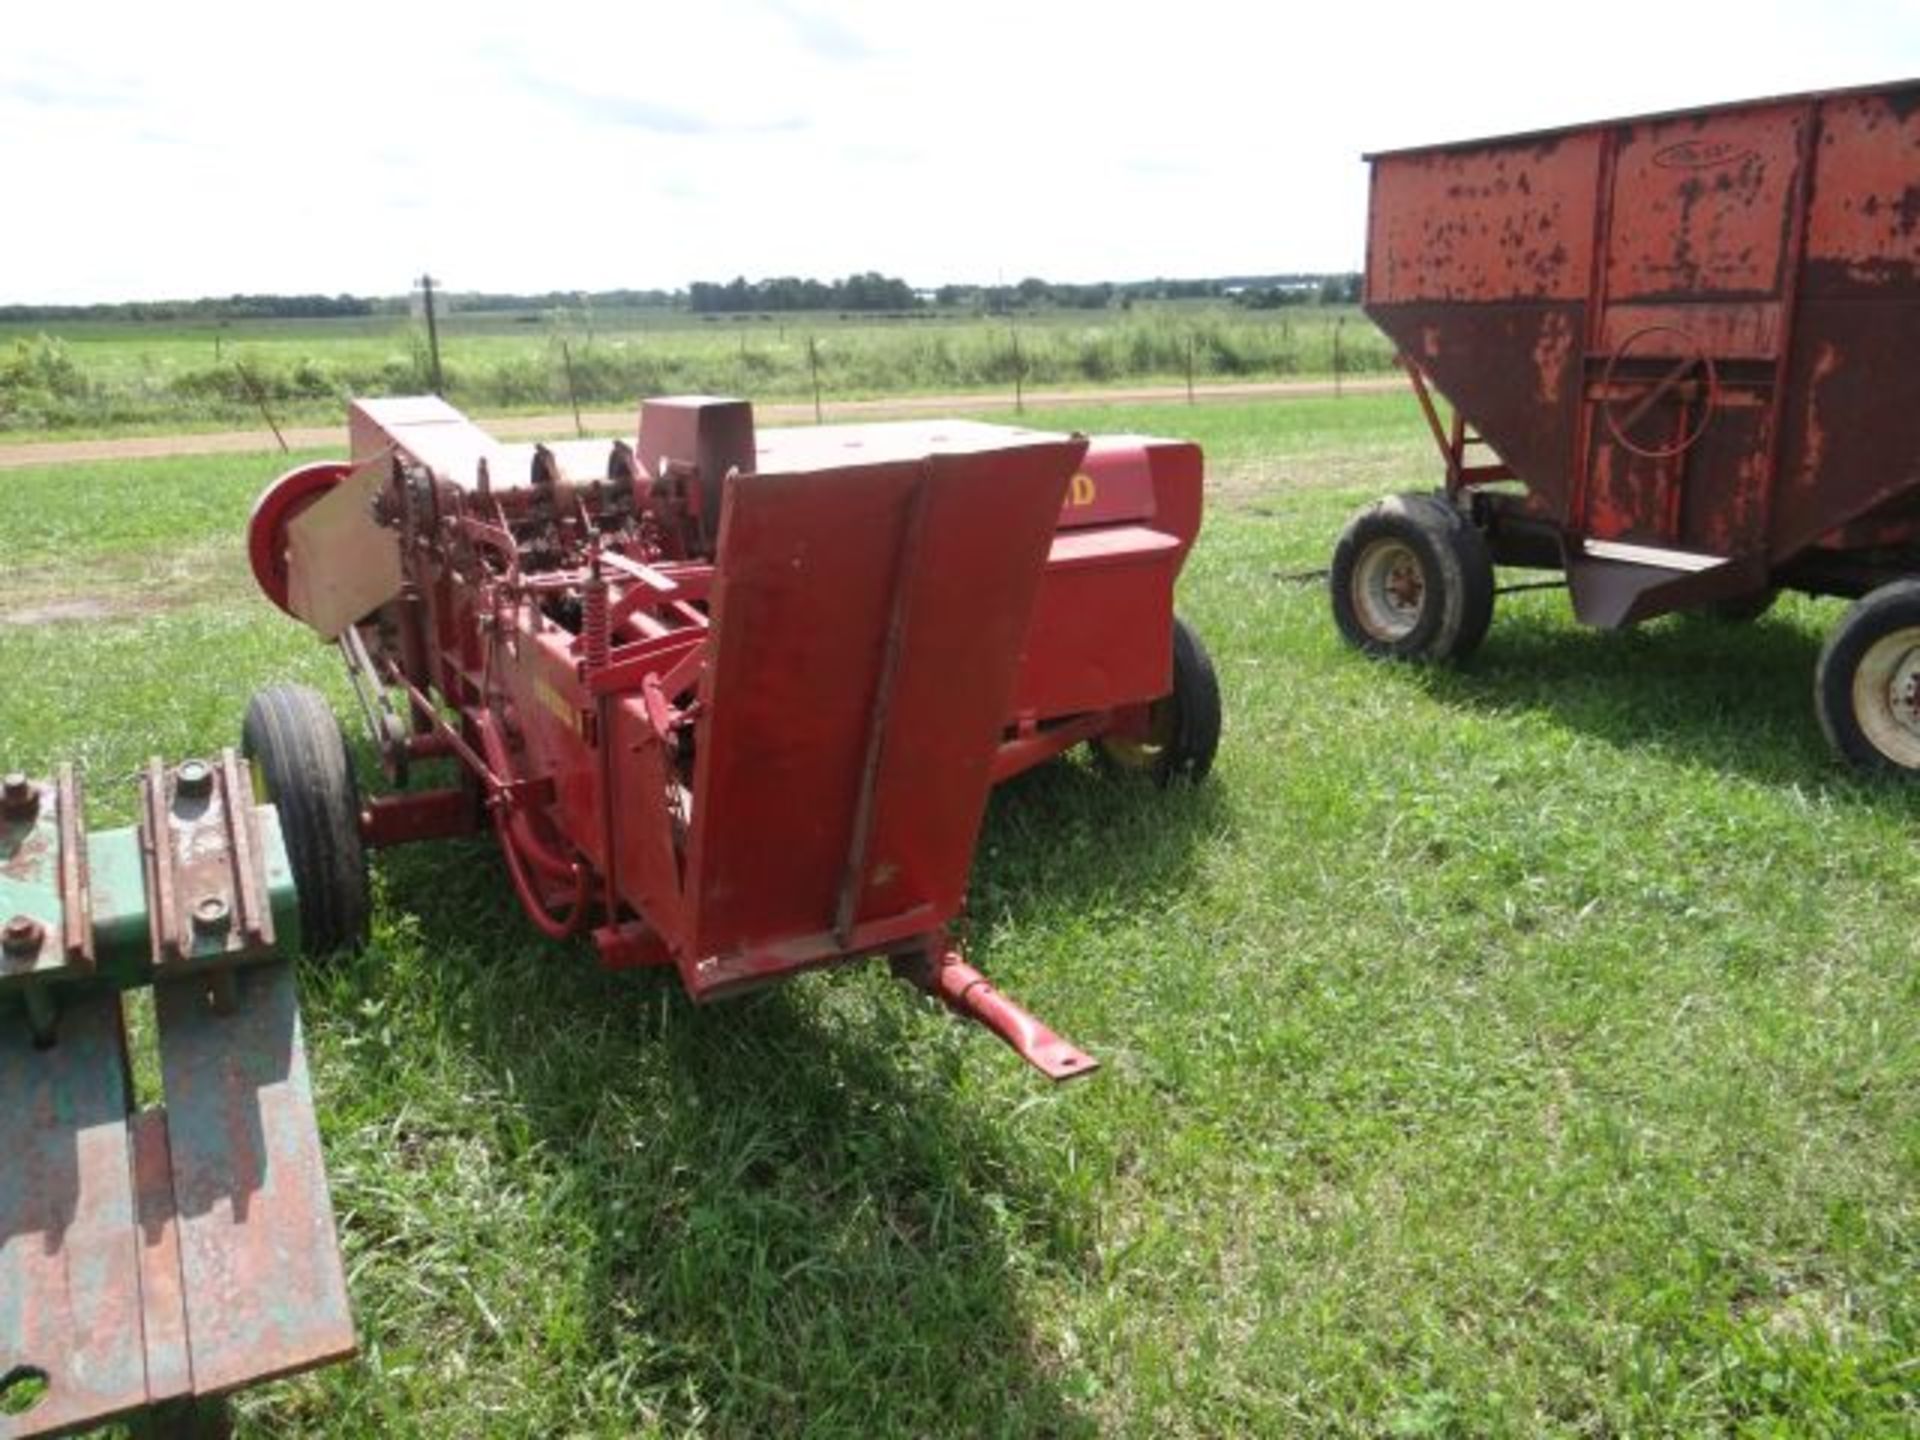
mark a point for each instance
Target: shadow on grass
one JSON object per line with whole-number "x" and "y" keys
{"x": 797, "y": 1210}
{"x": 1071, "y": 834}
{"x": 1737, "y": 699}
{"x": 797, "y": 1214}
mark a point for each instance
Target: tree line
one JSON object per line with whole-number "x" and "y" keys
{"x": 870, "y": 292}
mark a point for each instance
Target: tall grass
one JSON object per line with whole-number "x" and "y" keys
{"x": 51, "y": 383}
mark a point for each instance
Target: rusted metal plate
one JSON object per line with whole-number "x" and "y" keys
{"x": 46, "y": 929}
{"x": 1736, "y": 370}
{"x": 1863, "y": 225}
{"x": 1499, "y": 222}
{"x": 265, "y": 1292}
{"x": 208, "y": 872}
{"x": 163, "y": 1305}
{"x": 1700, "y": 205}
{"x": 70, "y": 1296}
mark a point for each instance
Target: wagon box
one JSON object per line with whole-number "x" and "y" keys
{"x": 1683, "y": 357}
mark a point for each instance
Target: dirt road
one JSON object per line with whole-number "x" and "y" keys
{"x": 618, "y": 422}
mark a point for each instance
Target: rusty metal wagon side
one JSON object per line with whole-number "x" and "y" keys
{"x": 1683, "y": 357}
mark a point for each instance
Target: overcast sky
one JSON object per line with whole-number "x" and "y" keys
{"x": 162, "y": 150}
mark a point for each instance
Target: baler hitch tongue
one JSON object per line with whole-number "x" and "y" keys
{"x": 153, "y": 1260}
{"x": 969, "y": 994}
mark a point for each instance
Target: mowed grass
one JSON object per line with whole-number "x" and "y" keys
{"x": 1527, "y": 1049}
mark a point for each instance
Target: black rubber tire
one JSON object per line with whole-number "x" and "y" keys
{"x": 300, "y": 764}
{"x": 1187, "y": 719}
{"x": 1451, "y": 567}
{"x": 1840, "y": 689}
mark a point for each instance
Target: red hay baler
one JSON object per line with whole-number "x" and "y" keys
{"x": 728, "y": 702}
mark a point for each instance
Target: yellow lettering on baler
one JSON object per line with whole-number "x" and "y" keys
{"x": 1081, "y": 490}
{"x": 554, "y": 701}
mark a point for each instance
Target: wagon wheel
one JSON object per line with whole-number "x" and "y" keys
{"x": 278, "y": 504}
{"x": 1621, "y": 427}
{"x": 1866, "y": 687}
{"x": 1183, "y": 726}
{"x": 1412, "y": 580}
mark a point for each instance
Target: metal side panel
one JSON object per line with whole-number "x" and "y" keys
{"x": 265, "y": 1292}
{"x": 867, "y": 626}
{"x": 70, "y": 1305}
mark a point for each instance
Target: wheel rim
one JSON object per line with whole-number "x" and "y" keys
{"x": 1389, "y": 590}
{"x": 262, "y": 787}
{"x": 1886, "y": 696}
{"x": 1145, "y": 754}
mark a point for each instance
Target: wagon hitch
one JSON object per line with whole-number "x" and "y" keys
{"x": 970, "y": 995}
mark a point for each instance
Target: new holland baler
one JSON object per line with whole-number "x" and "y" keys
{"x": 730, "y": 702}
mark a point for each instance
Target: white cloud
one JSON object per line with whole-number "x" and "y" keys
{"x": 213, "y": 147}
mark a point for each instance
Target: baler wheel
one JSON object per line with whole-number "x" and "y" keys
{"x": 1866, "y": 687}
{"x": 274, "y": 511}
{"x": 299, "y": 762}
{"x": 1183, "y": 726}
{"x": 1412, "y": 580}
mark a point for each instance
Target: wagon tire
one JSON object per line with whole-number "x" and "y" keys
{"x": 1183, "y": 726}
{"x": 299, "y": 764}
{"x": 1866, "y": 687}
{"x": 1412, "y": 579}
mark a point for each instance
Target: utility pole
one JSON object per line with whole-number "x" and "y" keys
{"x": 433, "y": 334}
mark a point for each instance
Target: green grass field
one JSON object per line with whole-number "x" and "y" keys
{"x": 99, "y": 376}
{"x": 1529, "y": 1049}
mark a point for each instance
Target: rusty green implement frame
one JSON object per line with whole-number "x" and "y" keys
{"x": 154, "y": 1259}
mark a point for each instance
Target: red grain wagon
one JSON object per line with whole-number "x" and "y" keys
{"x": 1683, "y": 356}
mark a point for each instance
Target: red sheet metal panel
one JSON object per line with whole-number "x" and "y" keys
{"x": 69, "y": 1267}
{"x": 265, "y": 1292}
{"x": 866, "y": 626}
{"x": 1497, "y": 223}
{"x": 1851, "y": 419}
{"x": 1102, "y": 631}
{"x": 1703, "y": 206}
{"x": 1695, "y": 330}
{"x": 163, "y": 1301}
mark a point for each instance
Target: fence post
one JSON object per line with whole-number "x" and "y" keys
{"x": 433, "y": 335}
{"x": 260, "y": 399}
{"x": 1190, "y": 367}
{"x": 1019, "y": 373}
{"x": 573, "y": 391}
{"x": 813, "y": 364}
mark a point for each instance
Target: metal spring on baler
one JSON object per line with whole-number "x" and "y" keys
{"x": 595, "y": 634}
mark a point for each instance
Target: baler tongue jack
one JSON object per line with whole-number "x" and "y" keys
{"x": 153, "y": 1260}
